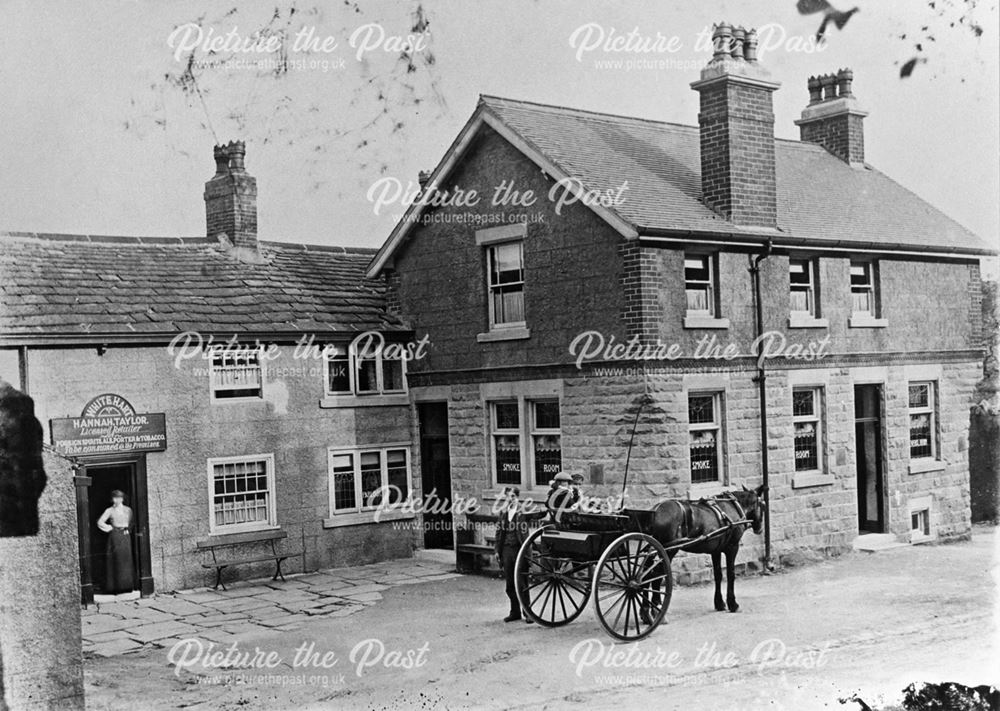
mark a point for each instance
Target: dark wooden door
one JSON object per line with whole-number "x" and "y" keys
{"x": 869, "y": 443}
{"x": 435, "y": 472}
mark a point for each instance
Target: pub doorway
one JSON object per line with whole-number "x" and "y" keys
{"x": 101, "y": 477}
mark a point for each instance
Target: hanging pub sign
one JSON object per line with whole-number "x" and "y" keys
{"x": 109, "y": 425}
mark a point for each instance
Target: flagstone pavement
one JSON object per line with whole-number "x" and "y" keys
{"x": 248, "y": 608}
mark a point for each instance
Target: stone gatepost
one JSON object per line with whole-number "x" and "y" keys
{"x": 41, "y": 662}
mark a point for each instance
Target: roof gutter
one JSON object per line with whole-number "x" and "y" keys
{"x": 158, "y": 338}
{"x": 782, "y": 239}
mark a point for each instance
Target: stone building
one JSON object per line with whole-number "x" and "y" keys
{"x": 583, "y": 274}
{"x": 220, "y": 383}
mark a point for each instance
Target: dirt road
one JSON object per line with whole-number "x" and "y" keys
{"x": 866, "y": 623}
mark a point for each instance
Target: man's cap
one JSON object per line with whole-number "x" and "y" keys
{"x": 577, "y": 478}
{"x": 562, "y": 476}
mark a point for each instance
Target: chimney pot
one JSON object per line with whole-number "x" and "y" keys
{"x": 721, "y": 39}
{"x": 422, "y": 177}
{"x": 237, "y": 151}
{"x": 844, "y": 79}
{"x": 221, "y": 160}
{"x": 750, "y": 46}
{"x": 829, "y": 84}
{"x": 815, "y": 90}
{"x": 739, "y": 39}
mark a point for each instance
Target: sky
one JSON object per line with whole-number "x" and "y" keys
{"x": 101, "y": 134}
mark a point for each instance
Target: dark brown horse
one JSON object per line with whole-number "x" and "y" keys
{"x": 712, "y": 526}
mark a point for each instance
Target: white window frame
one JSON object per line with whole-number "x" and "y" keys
{"x": 929, "y": 409}
{"x": 818, "y": 420}
{"x": 338, "y": 354}
{"x": 923, "y": 505}
{"x": 870, "y": 288}
{"x": 717, "y": 424}
{"x": 272, "y": 515}
{"x": 710, "y": 285}
{"x": 811, "y": 288}
{"x": 537, "y": 431}
{"x": 496, "y": 432}
{"x": 525, "y": 432}
{"x": 490, "y": 286}
{"x": 213, "y": 370}
{"x": 362, "y": 513}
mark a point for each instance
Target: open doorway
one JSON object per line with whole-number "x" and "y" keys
{"x": 105, "y": 479}
{"x": 435, "y": 474}
{"x": 98, "y": 478}
{"x": 869, "y": 438}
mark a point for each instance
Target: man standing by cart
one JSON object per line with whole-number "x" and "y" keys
{"x": 513, "y": 528}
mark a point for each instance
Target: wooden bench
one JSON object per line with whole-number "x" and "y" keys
{"x": 214, "y": 543}
{"x": 468, "y": 553}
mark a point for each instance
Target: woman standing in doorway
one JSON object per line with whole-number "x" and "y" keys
{"x": 119, "y": 577}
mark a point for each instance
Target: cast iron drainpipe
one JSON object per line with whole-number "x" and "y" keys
{"x": 761, "y": 380}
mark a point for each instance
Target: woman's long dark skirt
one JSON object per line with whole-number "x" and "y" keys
{"x": 119, "y": 577}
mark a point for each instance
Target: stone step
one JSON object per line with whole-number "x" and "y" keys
{"x": 873, "y": 542}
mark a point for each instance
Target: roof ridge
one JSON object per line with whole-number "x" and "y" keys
{"x": 638, "y": 119}
{"x": 141, "y": 241}
{"x": 590, "y": 112}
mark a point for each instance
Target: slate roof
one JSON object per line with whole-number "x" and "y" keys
{"x": 822, "y": 201}
{"x": 820, "y": 197}
{"x": 60, "y": 286}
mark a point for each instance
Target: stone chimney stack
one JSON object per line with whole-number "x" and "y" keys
{"x": 231, "y": 198}
{"x": 833, "y": 117}
{"x": 737, "y": 130}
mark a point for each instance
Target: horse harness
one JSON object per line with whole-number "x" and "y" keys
{"x": 725, "y": 521}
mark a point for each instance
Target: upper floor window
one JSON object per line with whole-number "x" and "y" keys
{"x": 699, "y": 284}
{"x": 863, "y": 294}
{"x": 808, "y": 423}
{"x": 236, "y": 374}
{"x": 505, "y": 283}
{"x": 923, "y": 426}
{"x": 802, "y": 286}
{"x": 705, "y": 437}
{"x": 364, "y": 369}
{"x": 242, "y": 493}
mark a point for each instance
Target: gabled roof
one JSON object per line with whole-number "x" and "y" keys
{"x": 91, "y": 289}
{"x": 822, "y": 201}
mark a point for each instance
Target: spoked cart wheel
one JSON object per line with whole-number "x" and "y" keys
{"x": 553, "y": 590}
{"x": 632, "y": 586}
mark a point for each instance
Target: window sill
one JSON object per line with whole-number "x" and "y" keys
{"x": 702, "y": 321}
{"x": 393, "y": 400}
{"x": 708, "y": 489}
{"x": 237, "y": 400}
{"x": 366, "y": 517}
{"x": 537, "y": 495}
{"x": 866, "y": 321}
{"x": 797, "y": 320}
{"x": 516, "y": 333}
{"x": 922, "y": 466}
{"x": 804, "y": 480}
